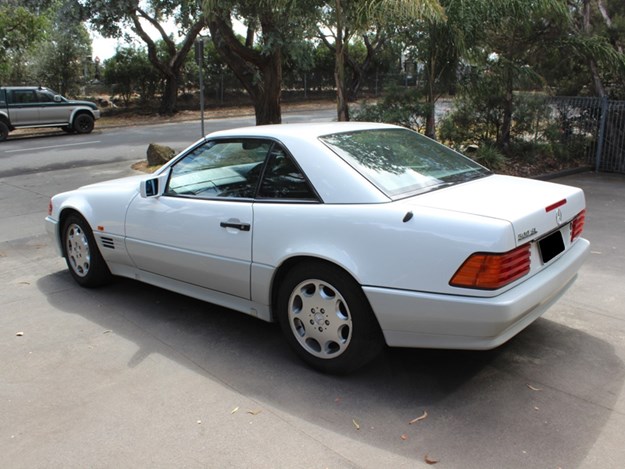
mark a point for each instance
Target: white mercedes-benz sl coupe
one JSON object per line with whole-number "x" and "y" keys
{"x": 349, "y": 235}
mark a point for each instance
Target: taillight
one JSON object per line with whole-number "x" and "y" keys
{"x": 489, "y": 271}
{"x": 577, "y": 225}
{"x": 50, "y": 207}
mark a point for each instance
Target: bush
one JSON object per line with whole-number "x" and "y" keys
{"x": 400, "y": 107}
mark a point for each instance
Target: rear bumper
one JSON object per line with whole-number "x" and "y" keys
{"x": 414, "y": 319}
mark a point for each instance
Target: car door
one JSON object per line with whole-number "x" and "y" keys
{"x": 23, "y": 107}
{"x": 199, "y": 231}
{"x": 51, "y": 111}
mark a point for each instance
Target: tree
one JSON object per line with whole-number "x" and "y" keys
{"x": 111, "y": 17}
{"x": 512, "y": 32}
{"x": 128, "y": 71}
{"x": 62, "y": 57}
{"x": 20, "y": 29}
{"x": 346, "y": 18}
{"x": 273, "y": 26}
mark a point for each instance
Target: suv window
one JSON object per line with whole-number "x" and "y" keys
{"x": 44, "y": 96}
{"x": 22, "y": 97}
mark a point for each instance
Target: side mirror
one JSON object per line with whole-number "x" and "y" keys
{"x": 154, "y": 187}
{"x": 57, "y": 98}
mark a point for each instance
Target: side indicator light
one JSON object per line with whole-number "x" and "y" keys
{"x": 100, "y": 228}
{"x": 490, "y": 271}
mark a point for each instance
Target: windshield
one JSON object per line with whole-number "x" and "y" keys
{"x": 401, "y": 162}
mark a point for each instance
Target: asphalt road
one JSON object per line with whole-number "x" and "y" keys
{"x": 133, "y": 376}
{"x": 51, "y": 149}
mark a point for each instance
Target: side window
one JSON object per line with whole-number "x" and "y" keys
{"x": 45, "y": 97}
{"x": 283, "y": 179}
{"x": 220, "y": 168}
{"x": 22, "y": 97}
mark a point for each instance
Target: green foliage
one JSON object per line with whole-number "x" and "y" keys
{"x": 129, "y": 71}
{"x": 400, "y": 106}
{"x": 20, "y": 29}
{"x": 489, "y": 156}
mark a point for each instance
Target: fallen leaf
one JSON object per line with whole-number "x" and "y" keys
{"x": 356, "y": 424}
{"x": 404, "y": 437}
{"x": 234, "y": 410}
{"x": 422, "y": 417}
{"x": 429, "y": 460}
{"x": 254, "y": 412}
{"x": 533, "y": 388}
{"x": 19, "y": 334}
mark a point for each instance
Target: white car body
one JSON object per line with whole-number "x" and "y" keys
{"x": 403, "y": 263}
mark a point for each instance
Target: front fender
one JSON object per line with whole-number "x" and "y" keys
{"x": 81, "y": 109}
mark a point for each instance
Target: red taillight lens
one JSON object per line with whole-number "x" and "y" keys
{"x": 50, "y": 207}
{"x": 488, "y": 271}
{"x": 577, "y": 225}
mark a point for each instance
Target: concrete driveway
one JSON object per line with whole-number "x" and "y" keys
{"x": 133, "y": 376}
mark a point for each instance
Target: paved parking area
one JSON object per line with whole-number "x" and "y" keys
{"x": 133, "y": 376}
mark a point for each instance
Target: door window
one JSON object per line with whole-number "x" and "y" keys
{"x": 221, "y": 168}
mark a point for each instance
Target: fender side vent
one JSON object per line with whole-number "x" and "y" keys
{"x": 107, "y": 242}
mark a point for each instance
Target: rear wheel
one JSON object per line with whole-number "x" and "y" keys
{"x": 4, "y": 131}
{"x": 81, "y": 253}
{"x": 83, "y": 123}
{"x": 327, "y": 319}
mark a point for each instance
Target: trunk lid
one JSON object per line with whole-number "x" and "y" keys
{"x": 534, "y": 208}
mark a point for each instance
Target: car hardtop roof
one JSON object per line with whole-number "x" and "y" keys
{"x": 311, "y": 130}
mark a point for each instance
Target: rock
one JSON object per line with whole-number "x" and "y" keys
{"x": 159, "y": 154}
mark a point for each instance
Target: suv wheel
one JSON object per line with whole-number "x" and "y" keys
{"x": 4, "y": 131}
{"x": 83, "y": 123}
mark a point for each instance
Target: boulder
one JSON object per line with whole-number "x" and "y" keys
{"x": 159, "y": 154}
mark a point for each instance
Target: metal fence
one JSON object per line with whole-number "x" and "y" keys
{"x": 588, "y": 126}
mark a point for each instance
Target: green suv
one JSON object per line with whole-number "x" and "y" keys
{"x": 35, "y": 106}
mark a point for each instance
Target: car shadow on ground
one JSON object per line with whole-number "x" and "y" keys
{"x": 540, "y": 400}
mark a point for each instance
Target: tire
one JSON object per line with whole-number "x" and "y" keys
{"x": 4, "y": 131}
{"x": 83, "y": 123}
{"x": 81, "y": 253}
{"x": 327, "y": 318}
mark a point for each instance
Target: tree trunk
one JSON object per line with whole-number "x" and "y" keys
{"x": 506, "y": 125}
{"x": 430, "y": 99}
{"x": 592, "y": 64}
{"x": 246, "y": 63}
{"x": 169, "y": 99}
{"x": 267, "y": 103}
{"x": 342, "y": 106}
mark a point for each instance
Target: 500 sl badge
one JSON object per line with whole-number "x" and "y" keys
{"x": 526, "y": 234}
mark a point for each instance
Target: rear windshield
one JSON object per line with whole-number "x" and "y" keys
{"x": 401, "y": 162}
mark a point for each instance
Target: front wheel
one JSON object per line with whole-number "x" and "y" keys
{"x": 83, "y": 123}
{"x": 327, "y": 318}
{"x": 81, "y": 253}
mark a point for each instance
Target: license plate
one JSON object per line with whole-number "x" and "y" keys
{"x": 550, "y": 246}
